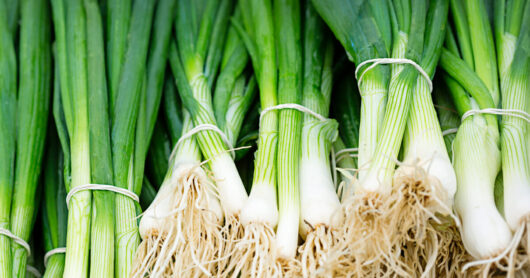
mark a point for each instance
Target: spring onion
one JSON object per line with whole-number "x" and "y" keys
{"x": 290, "y": 76}
{"x": 102, "y": 239}
{"x": 319, "y": 201}
{"x": 32, "y": 114}
{"x": 260, "y": 213}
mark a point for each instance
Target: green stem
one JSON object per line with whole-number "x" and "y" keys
{"x": 102, "y": 225}
{"x": 79, "y": 213}
{"x": 32, "y": 117}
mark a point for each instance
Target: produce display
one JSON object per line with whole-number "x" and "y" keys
{"x": 264, "y": 138}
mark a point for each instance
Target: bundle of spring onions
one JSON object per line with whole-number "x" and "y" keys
{"x": 390, "y": 209}
{"x": 264, "y": 138}
{"x": 486, "y": 143}
{"x": 107, "y": 126}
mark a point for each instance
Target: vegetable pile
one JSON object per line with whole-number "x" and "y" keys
{"x": 264, "y": 138}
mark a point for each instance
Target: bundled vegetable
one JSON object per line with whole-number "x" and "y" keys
{"x": 356, "y": 172}
{"x": 195, "y": 203}
{"x": 471, "y": 76}
{"x": 103, "y": 153}
{"x": 413, "y": 38}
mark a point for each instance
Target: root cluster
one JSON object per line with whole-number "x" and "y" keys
{"x": 407, "y": 233}
{"x": 253, "y": 255}
{"x": 190, "y": 240}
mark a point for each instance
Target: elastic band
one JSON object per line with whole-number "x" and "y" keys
{"x": 495, "y": 111}
{"x": 295, "y": 106}
{"x": 60, "y": 250}
{"x": 33, "y": 270}
{"x": 16, "y": 239}
{"x": 203, "y": 127}
{"x": 383, "y": 61}
{"x": 92, "y": 186}
{"x": 449, "y": 131}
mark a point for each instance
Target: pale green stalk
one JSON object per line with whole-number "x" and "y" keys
{"x": 287, "y": 14}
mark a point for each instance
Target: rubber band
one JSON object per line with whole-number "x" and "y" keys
{"x": 203, "y": 127}
{"x": 295, "y": 106}
{"x": 92, "y": 186}
{"x": 60, "y": 250}
{"x": 449, "y": 131}
{"x": 33, "y": 270}
{"x": 496, "y": 111}
{"x": 384, "y": 61}
{"x": 16, "y": 239}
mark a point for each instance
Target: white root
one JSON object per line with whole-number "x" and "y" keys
{"x": 181, "y": 229}
{"x": 254, "y": 254}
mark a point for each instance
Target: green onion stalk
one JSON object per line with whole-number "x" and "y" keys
{"x": 8, "y": 98}
{"x": 287, "y": 14}
{"x": 319, "y": 202}
{"x": 127, "y": 118}
{"x": 34, "y": 92}
{"x": 471, "y": 76}
{"x": 260, "y": 212}
{"x": 117, "y": 28}
{"x": 512, "y": 33}
{"x": 102, "y": 226}
{"x": 54, "y": 210}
